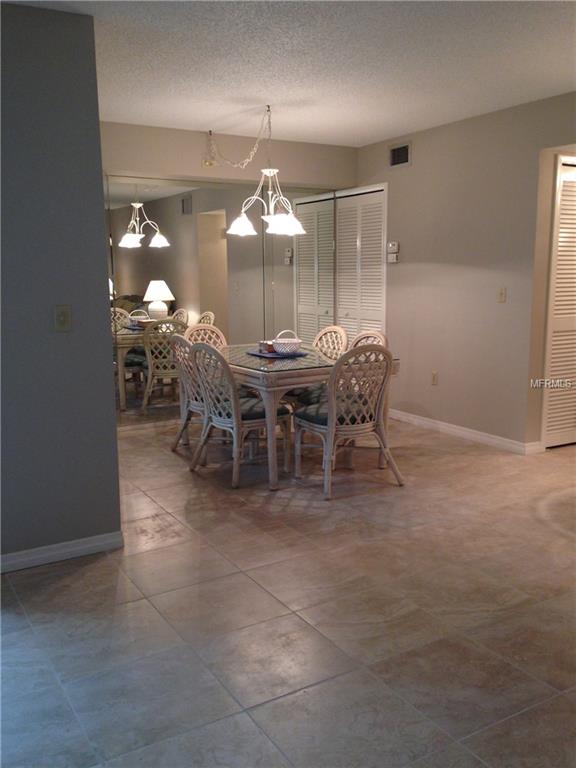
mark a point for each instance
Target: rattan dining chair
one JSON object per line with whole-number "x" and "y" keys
{"x": 228, "y": 411}
{"x": 332, "y": 341}
{"x": 161, "y": 364}
{"x": 206, "y": 334}
{"x": 181, "y": 315}
{"x": 369, "y": 337}
{"x": 353, "y": 407}
{"x": 119, "y": 319}
{"x": 206, "y": 318}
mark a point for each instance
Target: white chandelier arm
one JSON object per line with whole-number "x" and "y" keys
{"x": 249, "y": 202}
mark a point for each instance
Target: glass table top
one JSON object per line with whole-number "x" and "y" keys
{"x": 237, "y": 354}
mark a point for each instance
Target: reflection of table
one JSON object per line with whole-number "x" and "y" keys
{"x": 272, "y": 379}
{"x": 124, "y": 341}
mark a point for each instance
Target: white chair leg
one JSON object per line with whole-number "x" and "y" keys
{"x": 297, "y": 450}
{"x": 183, "y": 428}
{"x": 286, "y": 432}
{"x": 206, "y": 429}
{"x": 328, "y": 457}
{"x": 386, "y": 453}
{"x": 236, "y": 458}
{"x": 147, "y": 392}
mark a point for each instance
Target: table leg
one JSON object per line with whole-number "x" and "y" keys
{"x": 183, "y": 412}
{"x": 271, "y": 400}
{"x": 121, "y": 357}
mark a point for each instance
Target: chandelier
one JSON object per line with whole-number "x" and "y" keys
{"x": 278, "y": 213}
{"x": 134, "y": 232}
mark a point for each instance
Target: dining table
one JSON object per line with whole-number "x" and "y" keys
{"x": 273, "y": 378}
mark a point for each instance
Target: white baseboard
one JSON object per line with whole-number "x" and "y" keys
{"x": 28, "y": 558}
{"x": 504, "y": 443}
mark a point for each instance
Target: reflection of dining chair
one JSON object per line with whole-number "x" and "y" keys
{"x": 181, "y": 315}
{"x": 140, "y": 313}
{"x": 353, "y": 407}
{"x": 161, "y": 365}
{"x": 206, "y": 334}
{"x": 226, "y": 410}
{"x": 369, "y": 337}
{"x": 119, "y": 319}
{"x": 206, "y": 318}
{"x": 189, "y": 385}
{"x": 331, "y": 341}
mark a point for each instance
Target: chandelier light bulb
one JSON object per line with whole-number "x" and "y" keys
{"x": 130, "y": 240}
{"x": 159, "y": 241}
{"x": 241, "y": 226}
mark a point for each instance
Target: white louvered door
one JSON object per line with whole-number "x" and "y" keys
{"x": 314, "y": 268}
{"x": 559, "y": 420}
{"x": 360, "y": 262}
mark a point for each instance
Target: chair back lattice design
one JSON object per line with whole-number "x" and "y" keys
{"x": 206, "y": 334}
{"x": 357, "y": 388}
{"x": 119, "y": 319}
{"x": 181, "y": 315}
{"x": 206, "y": 318}
{"x": 332, "y": 341}
{"x": 140, "y": 313}
{"x": 369, "y": 337}
{"x": 182, "y": 354}
{"x": 218, "y": 386}
{"x": 157, "y": 345}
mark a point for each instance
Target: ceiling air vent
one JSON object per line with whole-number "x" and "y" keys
{"x": 186, "y": 205}
{"x": 400, "y": 155}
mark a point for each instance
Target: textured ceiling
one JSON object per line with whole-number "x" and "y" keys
{"x": 347, "y": 73}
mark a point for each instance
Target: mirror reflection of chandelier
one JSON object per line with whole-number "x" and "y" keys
{"x": 134, "y": 232}
{"x": 278, "y": 213}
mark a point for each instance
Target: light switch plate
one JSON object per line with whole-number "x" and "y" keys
{"x": 393, "y": 246}
{"x": 63, "y": 318}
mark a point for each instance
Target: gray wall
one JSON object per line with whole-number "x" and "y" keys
{"x": 60, "y": 476}
{"x": 464, "y": 212}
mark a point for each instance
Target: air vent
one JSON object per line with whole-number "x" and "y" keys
{"x": 400, "y": 155}
{"x": 186, "y": 205}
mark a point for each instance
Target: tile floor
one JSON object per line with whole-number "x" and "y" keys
{"x": 430, "y": 626}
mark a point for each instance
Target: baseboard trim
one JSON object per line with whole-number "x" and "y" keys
{"x": 28, "y": 558}
{"x": 504, "y": 443}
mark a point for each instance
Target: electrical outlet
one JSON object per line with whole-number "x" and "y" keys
{"x": 434, "y": 378}
{"x": 502, "y": 296}
{"x": 63, "y": 318}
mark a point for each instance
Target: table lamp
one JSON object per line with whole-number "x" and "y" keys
{"x": 157, "y": 294}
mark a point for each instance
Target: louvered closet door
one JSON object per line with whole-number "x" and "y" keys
{"x": 360, "y": 264}
{"x": 560, "y": 402}
{"x": 314, "y": 265}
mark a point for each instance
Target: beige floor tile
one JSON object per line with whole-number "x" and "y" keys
{"x": 154, "y": 532}
{"x": 202, "y": 612}
{"x": 137, "y": 505}
{"x": 454, "y": 756}
{"x": 234, "y": 741}
{"x": 40, "y": 730}
{"x": 162, "y": 570}
{"x": 26, "y": 668}
{"x": 310, "y": 579}
{"x": 13, "y": 617}
{"x": 374, "y": 624}
{"x": 153, "y": 698}
{"x": 540, "y": 639}
{"x": 461, "y": 595}
{"x": 262, "y": 547}
{"x": 459, "y": 685}
{"x": 80, "y": 644}
{"x": 542, "y": 737}
{"x": 273, "y": 658}
{"x": 193, "y": 493}
{"x": 351, "y": 720}
{"x": 81, "y": 585}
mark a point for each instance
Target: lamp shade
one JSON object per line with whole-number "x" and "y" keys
{"x": 158, "y": 291}
{"x": 241, "y": 226}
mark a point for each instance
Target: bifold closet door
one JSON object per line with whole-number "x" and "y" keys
{"x": 559, "y": 420}
{"x": 360, "y": 262}
{"x": 314, "y": 269}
